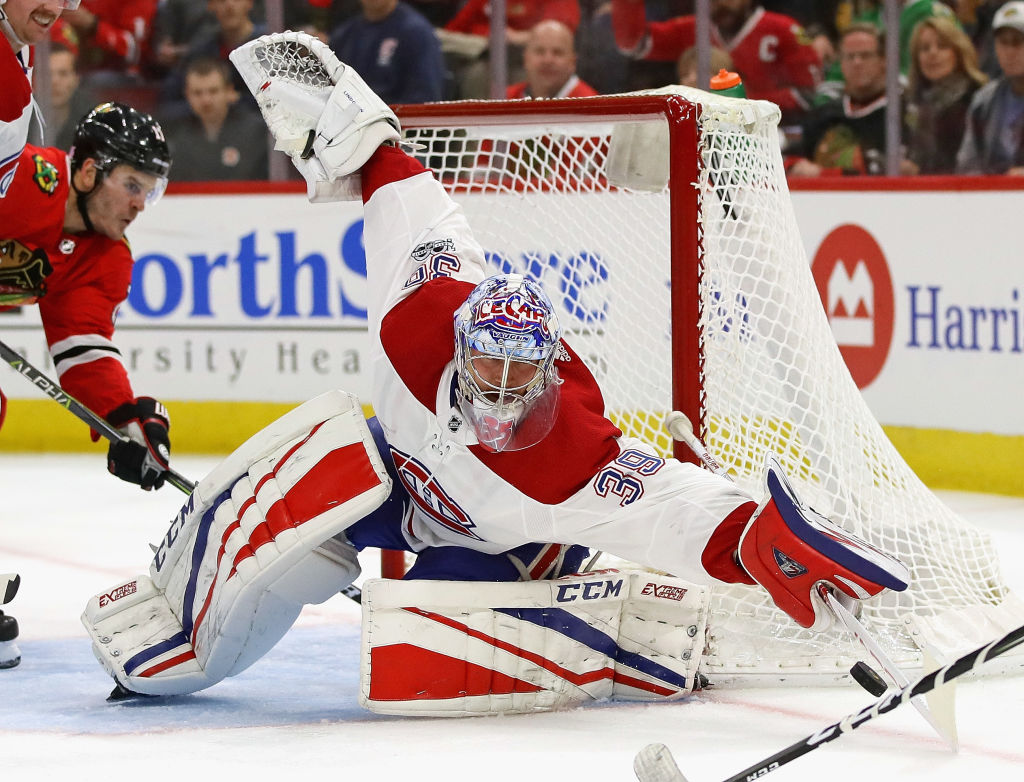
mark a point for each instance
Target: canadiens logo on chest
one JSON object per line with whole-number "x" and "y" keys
{"x": 430, "y": 498}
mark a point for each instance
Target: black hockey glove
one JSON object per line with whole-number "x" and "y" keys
{"x": 143, "y": 458}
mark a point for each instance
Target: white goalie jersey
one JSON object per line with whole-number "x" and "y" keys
{"x": 584, "y": 483}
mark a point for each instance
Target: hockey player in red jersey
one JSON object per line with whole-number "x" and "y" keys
{"x": 24, "y": 23}
{"x": 770, "y": 51}
{"x": 62, "y": 246}
{"x": 62, "y": 232}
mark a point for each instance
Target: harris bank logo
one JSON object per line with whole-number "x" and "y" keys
{"x": 853, "y": 281}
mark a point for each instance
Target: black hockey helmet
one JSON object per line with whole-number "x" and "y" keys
{"x": 114, "y": 133}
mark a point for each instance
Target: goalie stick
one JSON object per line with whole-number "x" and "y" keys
{"x": 679, "y": 426}
{"x": 654, "y": 762}
{"x": 21, "y": 365}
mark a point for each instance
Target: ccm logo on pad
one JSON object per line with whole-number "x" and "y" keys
{"x": 589, "y": 590}
{"x": 122, "y": 591}
{"x": 664, "y": 590}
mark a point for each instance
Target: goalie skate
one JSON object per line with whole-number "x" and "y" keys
{"x": 314, "y": 104}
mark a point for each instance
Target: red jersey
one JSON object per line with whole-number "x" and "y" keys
{"x": 575, "y": 87}
{"x": 83, "y": 278}
{"x": 771, "y": 52}
{"x": 122, "y": 34}
{"x": 475, "y": 16}
{"x": 15, "y": 109}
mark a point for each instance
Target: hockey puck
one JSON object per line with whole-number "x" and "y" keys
{"x": 868, "y": 678}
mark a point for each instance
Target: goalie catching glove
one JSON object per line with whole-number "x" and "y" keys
{"x": 143, "y": 457}
{"x": 793, "y": 552}
{"x": 319, "y": 110}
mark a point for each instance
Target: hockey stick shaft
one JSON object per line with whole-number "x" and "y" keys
{"x": 925, "y": 684}
{"x": 654, "y": 763}
{"x": 22, "y": 366}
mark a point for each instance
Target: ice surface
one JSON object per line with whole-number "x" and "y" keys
{"x": 71, "y": 530}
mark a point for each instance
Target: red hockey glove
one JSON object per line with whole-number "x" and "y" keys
{"x": 143, "y": 458}
{"x": 790, "y": 550}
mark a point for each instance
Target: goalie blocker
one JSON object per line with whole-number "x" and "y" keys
{"x": 793, "y": 552}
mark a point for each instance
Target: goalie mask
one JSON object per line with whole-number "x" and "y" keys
{"x": 506, "y": 341}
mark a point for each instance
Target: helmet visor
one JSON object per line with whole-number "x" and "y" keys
{"x": 136, "y": 183}
{"x": 514, "y": 424}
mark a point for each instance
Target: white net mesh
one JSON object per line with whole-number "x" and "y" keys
{"x": 769, "y": 376}
{"x": 289, "y": 57}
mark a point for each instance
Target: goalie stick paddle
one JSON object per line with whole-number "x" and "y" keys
{"x": 654, "y": 762}
{"x": 21, "y": 365}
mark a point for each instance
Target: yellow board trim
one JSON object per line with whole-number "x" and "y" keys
{"x": 943, "y": 459}
{"x": 196, "y": 427}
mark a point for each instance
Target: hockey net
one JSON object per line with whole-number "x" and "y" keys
{"x": 661, "y": 225}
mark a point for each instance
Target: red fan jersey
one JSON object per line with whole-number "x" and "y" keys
{"x": 771, "y": 52}
{"x": 475, "y": 16}
{"x": 78, "y": 280}
{"x": 575, "y": 87}
{"x": 122, "y": 36}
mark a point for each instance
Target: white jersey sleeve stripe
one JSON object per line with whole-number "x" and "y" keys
{"x": 82, "y": 349}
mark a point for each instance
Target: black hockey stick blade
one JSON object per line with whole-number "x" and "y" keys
{"x": 657, "y": 761}
{"x": 9, "y": 583}
{"x": 21, "y": 365}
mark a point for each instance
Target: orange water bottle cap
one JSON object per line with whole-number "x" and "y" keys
{"x": 724, "y": 80}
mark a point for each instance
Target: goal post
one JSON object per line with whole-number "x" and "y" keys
{"x": 661, "y": 225}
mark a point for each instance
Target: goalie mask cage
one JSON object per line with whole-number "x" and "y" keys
{"x": 661, "y": 225}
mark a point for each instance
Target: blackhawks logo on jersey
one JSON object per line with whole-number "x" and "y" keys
{"x": 46, "y": 176}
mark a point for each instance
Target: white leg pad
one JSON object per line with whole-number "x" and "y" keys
{"x": 250, "y": 547}
{"x": 445, "y": 648}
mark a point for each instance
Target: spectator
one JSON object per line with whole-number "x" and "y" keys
{"x": 395, "y": 49}
{"x": 24, "y": 23}
{"x": 686, "y": 68}
{"x": 234, "y": 26}
{"x": 217, "y": 141}
{"x": 944, "y": 76}
{"x": 177, "y": 23}
{"x": 114, "y": 38}
{"x": 982, "y": 36}
{"x": 994, "y": 138}
{"x": 69, "y": 101}
{"x": 820, "y": 18}
{"x": 771, "y": 52}
{"x": 914, "y": 11}
{"x": 549, "y": 59}
{"x": 847, "y": 135}
{"x": 473, "y": 19}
